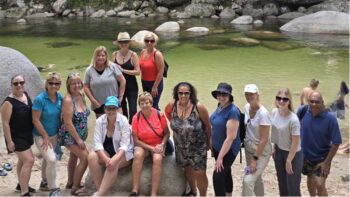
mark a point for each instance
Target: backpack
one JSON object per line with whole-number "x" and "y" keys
{"x": 166, "y": 66}
{"x": 242, "y": 132}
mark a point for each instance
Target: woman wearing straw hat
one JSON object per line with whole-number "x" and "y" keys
{"x": 257, "y": 144}
{"x": 128, "y": 62}
{"x": 225, "y": 139}
{"x": 152, "y": 68}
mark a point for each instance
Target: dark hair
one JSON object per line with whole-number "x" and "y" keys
{"x": 17, "y": 75}
{"x": 193, "y": 92}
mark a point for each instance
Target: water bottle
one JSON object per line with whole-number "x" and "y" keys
{"x": 247, "y": 170}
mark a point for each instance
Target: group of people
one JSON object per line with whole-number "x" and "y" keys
{"x": 298, "y": 146}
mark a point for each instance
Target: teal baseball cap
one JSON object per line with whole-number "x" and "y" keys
{"x": 112, "y": 101}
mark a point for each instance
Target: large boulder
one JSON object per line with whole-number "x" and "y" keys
{"x": 290, "y": 15}
{"x": 137, "y": 41}
{"x": 100, "y": 13}
{"x": 12, "y": 63}
{"x": 170, "y": 26}
{"x": 59, "y": 6}
{"x": 126, "y": 13}
{"x": 200, "y": 10}
{"x": 270, "y": 9}
{"x": 330, "y": 5}
{"x": 243, "y": 20}
{"x": 172, "y": 182}
{"x": 197, "y": 29}
{"x": 228, "y": 12}
{"x": 323, "y": 22}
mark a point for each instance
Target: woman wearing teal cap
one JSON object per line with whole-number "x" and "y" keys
{"x": 113, "y": 146}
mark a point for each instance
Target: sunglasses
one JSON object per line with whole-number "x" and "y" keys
{"x": 284, "y": 99}
{"x": 110, "y": 108}
{"x": 150, "y": 41}
{"x": 183, "y": 93}
{"x": 124, "y": 42}
{"x": 54, "y": 83}
{"x": 18, "y": 83}
{"x": 223, "y": 94}
{"x": 315, "y": 102}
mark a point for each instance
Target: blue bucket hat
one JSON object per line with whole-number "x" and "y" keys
{"x": 223, "y": 88}
{"x": 112, "y": 101}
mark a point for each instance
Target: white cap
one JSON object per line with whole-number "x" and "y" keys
{"x": 251, "y": 88}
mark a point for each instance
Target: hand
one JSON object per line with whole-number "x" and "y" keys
{"x": 111, "y": 164}
{"x": 325, "y": 168}
{"x": 159, "y": 148}
{"x": 81, "y": 144}
{"x": 218, "y": 165}
{"x": 120, "y": 68}
{"x": 106, "y": 161}
{"x": 96, "y": 103}
{"x": 46, "y": 143}
{"x": 11, "y": 146}
{"x": 154, "y": 91}
{"x": 253, "y": 166}
{"x": 289, "y": 167}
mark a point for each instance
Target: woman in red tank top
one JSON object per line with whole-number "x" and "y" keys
{"x": 152, "y": 67}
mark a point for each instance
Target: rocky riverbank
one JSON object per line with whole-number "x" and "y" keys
{"x": 230, "y": 9}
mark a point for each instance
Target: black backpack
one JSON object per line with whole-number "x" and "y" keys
{"x": 242, "y": 132}
{"x": 166, "y": 66}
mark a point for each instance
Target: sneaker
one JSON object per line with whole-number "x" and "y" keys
{"x": 134, "y": 194}
{"x": 2, "y": 172}
{"x": 7, "y": 166}
{"x": 30, "y": 189}
{"x": 26, "y": 194}
{"x": 55, "y": 192}
{"x": 43, "y": 186}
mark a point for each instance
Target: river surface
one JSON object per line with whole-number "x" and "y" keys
{"x": 203, "y": 60}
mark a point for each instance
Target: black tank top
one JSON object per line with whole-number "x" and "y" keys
{"x": 108, "y": 146}
{"x": 130, "y": 79}
{"x": 21, "y": 124}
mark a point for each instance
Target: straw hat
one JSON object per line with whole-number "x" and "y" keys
{"x": 122, "y": 36}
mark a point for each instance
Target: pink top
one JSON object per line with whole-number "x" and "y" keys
{"x": 143, "y": 130}
{"x": 148, "y": 67}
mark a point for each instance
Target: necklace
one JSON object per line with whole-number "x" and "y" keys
{"x": 124, "y": 57}
{"x": 183, "y": 110}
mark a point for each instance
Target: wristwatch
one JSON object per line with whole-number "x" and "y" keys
{"x": 256, "y": 158}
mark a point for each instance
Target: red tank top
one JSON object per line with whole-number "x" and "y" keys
{"x": 148, "y": 67}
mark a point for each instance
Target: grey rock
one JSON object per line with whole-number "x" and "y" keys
{"x": 162, "y": 10}
{"x": 214, "y": 16}
{"x": 2, "y": 14}
{"x": 227, "y": 13}
{"x": 37, "y": 15}
{"x": 66, "y": 12}
{"x": 258, "y": 22}
{"x": 197, "y": 29}
{"x": 323, "y": 22}
{"x": 270, "y": 9}
{"x": 80, "y": 14}
{"x": 170, "y": 26}
{"x": 181, "y": 21}
{"x": 284, "y": 9}
{"x": 241, "y": 41}
{"x": 200, "y": 10}
{"x": 16, "y": 3}
{"x": 13, "y": 62}
{"x": 127, "y": 13}
{"x": 16, "y": 12}
{"x": 137, "y": 41}
{"x": 50, "y": 14}
{"x": 22, "y": 21}
{"x": 172, "y": 3}
{"x": 183, "y": 15}
{"x": 145, "y": 4}
{"x": 290, "y": 15}
{"x": 302, "y": 9}
{"x": 122, "y": 5}
{"x": 243, "y": 20}
{"x": 88, "y": 11}
{"x": 71, "y": 15}
{"x": 111, "y": 13}
{"x": 213, "y": 2}
{"x": 255, "y": 13}
{"x": 237, "y": 8}
{"x": 99, "y": 14}
{"x": 298, "y": 2}
{"x": 172, "y": 181}
{"x": 330, "y": 5}
{"x": 59, "y": 6}
{"x": 136, "y": 5}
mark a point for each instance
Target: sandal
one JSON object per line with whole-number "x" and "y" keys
{"x": 70, "y": 186}
{"x": 7, "y": 166}
{"x": 79, "y": 192}
{"x": 3, "y": 172}
{"x": 190, "y": 193}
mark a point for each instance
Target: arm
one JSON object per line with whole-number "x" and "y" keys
{"x": 291, "y": 154}
{"x": 326, "y": 164}
{"x": 122, "y": 82}
{"x": 231, "y": 134}
{"x": 92, "y": 99}
{"x": 264, "y": 137}
{"x": 168, "y": 109}
{"x": 135, "y": 63}
{"x": 159, "y": 60}
{"x": 6, "y": 112}
{"x": 160, "y": 148}
{"x": 36, "y": 121}
{"x": 67, "y": 114}
{"x": 204, "y": 116}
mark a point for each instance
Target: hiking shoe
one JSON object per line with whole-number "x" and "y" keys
{"x": 26, "y": 194}
{"x": 134, "y": 194}
{"x": 3, "y": 172}
{"x": 43, "y": 186}
{"x": 7, "y": 166}
{"x": 30, "y": 189}
{"x": 55, "y": 192}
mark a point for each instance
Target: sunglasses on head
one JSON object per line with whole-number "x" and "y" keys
{"x": 54, "y": 83}
{"x": 74, "y": 75}
{"x": 150, "y": 41}
{"x": 284, "y": 99}
{"x": 18, "y": 83}
{"x": 183, "y": 93}
{"x": 315, "y": 102}
{"x": 123, "y": 42}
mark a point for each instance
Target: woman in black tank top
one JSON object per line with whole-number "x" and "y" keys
{"x": 128, "y": 62}
{"x": 16, "y": 115}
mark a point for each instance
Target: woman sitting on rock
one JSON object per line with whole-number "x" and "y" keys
{"x": 150, "y": 132}
{"x": 113, "y": 147}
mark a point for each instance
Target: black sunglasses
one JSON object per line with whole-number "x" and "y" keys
{"x": 54, "y": 83}
{"x": 224, "y": 94}
{"x": 124, "y": 42}
{"x": 183, "y": 93}
{"x": 150, "y": 41}
{"x": 18, "y": 83}
{"x": 284, "y": 99}
{"x": 315, "y": 102}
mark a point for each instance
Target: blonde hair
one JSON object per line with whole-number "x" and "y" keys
{"x": 151, "y": 36}
{"x": 96, "y": 52}
{"x": 286, "y": 91}
{"x": 50, "y": 76}
{"x": 71, "y": 77}
{"x": 145, "y": 96}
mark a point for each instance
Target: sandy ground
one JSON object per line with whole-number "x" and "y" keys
{"x": 335, "y": 185}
